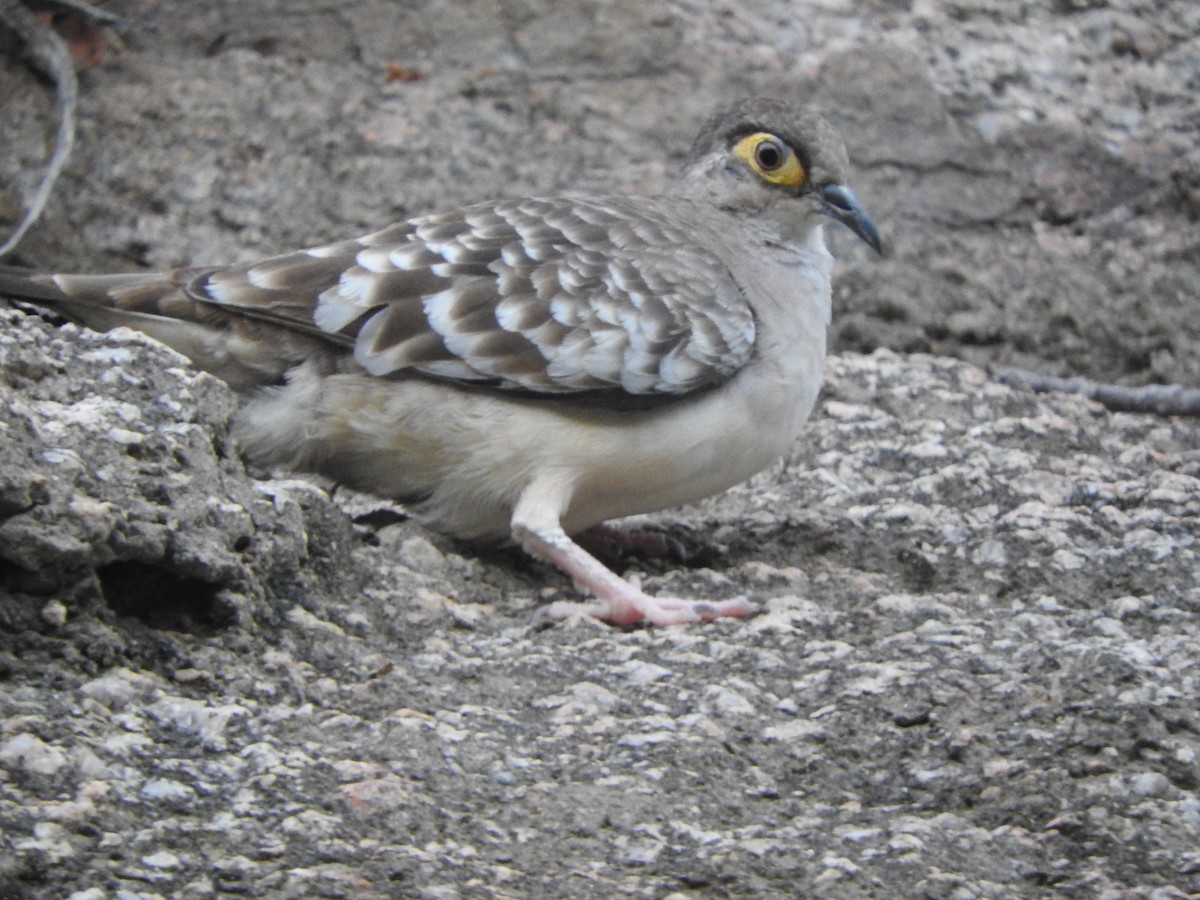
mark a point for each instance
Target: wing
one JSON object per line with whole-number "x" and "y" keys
{"x": 550, "y": 296}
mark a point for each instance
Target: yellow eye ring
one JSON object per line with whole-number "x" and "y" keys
{"x": 771, "y": 159}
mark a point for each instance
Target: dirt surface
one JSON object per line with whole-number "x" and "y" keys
{"x": 977, "y": 670}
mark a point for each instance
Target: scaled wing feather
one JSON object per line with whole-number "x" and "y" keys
{"x": 546, "y": 296}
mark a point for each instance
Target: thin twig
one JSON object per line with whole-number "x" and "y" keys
{"x": 50, "y": 51}
{"x": 1162, "y": 399}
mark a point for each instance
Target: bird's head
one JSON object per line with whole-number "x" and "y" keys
{"x": 776, "y": 160}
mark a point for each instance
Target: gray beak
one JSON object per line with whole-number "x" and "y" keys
{"x": 839, "y": 202}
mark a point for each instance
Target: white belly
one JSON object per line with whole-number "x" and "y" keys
{"x": 472, "y": 453}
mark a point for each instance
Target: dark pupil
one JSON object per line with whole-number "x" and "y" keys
{"x": 768, "y": 155}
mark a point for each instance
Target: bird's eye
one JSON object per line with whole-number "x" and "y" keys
{"x": 768, "y": 154}
{"x": 770, "y": 157}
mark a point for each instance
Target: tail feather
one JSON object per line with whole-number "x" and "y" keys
{"x": 244, "y": 352}
{"x": 17, "y": 283}
{"x": 138, "y": 292}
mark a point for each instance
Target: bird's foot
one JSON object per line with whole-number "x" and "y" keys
{"x": 616, "y": 600}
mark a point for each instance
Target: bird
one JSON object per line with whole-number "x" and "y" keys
{"x": 523, "y": 370}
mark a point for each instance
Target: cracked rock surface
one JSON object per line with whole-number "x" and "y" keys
{"x": 976, "y": 670}
{"x": 977, "y": 667}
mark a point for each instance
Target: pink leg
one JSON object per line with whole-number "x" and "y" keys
{"x": 617, "y": 601}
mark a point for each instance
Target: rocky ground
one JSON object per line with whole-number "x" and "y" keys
{"x": 977, "y": 670}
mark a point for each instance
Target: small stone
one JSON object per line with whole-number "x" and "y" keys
{"x": 501, "y": 775}
{"x": 117, "y": 689}
{"x": 727, "y": 702}
{"x": 30, "y": 753}
{"x": 420, "y": 555}
{"x": 645, "y": 740}
{"x": 1150, "y": 784}
{"x": 54, "y": 614}
{"x": 643, "y": 853}
{"x": 375, "y": 796}
{"x": 163, "y": 859}
{"x": 165, "y": 789}
{"x": 638, "y": 672}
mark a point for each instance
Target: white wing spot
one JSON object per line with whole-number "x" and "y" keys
{"x": 341, "y": 304}
{"x": 437, "y": 310}
{"x": 327, "y": 251}
{"x": 376, "y": 259}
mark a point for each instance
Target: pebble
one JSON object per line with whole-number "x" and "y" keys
{"x": 31, "y": 754}
{"x": 1150, "y": 784}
